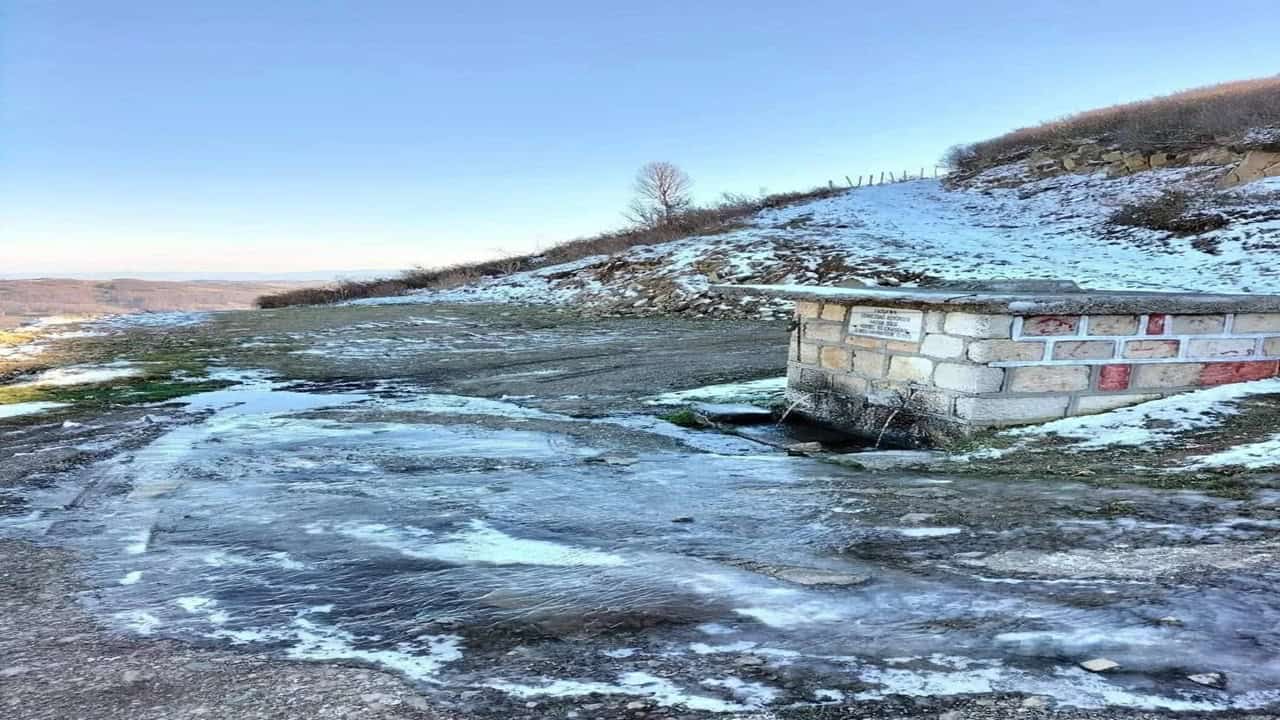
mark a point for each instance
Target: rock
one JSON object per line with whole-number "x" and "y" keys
{"x": 635, "y": 705}
{"x": 1099, "y": 665}
{"x": 917, "y": 518}
{"x": 682, "y": 519}
{"x": 1035, "y": 701}
{"x": 803, "y": 448}
{"x": 812, "y": 577}
{"x": 612, "y": 460}
{"x": 1210, "y": 679}
{"x": 1170, "y": 620}
{"x": 1134, "y": 162}
{"x": 1114, "y": 156}
{"x": 1213, "y": 156}
{"x": 748, "y": 661}
{"x": 1257, "y": 164}
{"x": 951, "y": 715}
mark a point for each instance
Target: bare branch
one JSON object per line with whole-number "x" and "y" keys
{"x": 662, "y": 192}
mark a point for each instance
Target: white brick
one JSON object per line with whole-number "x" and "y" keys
{"x": 834, "y": 357}
{"x": 869, "y": 364}
{"x": 910, "y": 369}
{"x": 1198, "y": 324}
{"x": 1049, "y": 378}
{"x": 833, "y": 312}
{"x": 978, "y": 326}
{"x": 815, "y": 331}
{"x": 1257, "y": 322}
{"x": 1009, "y": 410}
{"x": 806, "y": 309}
{"x": 996, "y": 350}
{"x": 1090, "y": 404}
{"x": 849, "y": 385}
{"x": 946, "y": 347}
{"x": 1238, "y": 347}
{"x": 808, "y": 353}
{"x": 968, "y": 378}
{"x": 933, "y": 321}
{"x": 931, "y": 402}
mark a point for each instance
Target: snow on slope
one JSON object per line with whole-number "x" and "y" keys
{"x": 910, "y": 232}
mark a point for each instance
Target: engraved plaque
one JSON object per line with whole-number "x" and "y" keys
{"x": 888, "y": 323}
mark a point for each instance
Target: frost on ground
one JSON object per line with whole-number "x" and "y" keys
{"x": 906, "y": 232}
{"x": 753, "y": 392}
{"x": 80, "y": 375}
{"x": 1250, "y": 455}
{"x": 1154, "y": 423}
{"x": 27, "y": 408}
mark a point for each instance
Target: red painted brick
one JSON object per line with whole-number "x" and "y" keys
{"x": 1050, "y": 325}
{"x": 1155, "y": 324}
{"x": 1229, "y": 372}
{"x": 1114, "y": 377}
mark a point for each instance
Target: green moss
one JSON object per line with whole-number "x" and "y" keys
{"x": 685, "y": 417}
{"x": 138, "y": 392}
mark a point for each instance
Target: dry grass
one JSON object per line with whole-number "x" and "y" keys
{"x": 721, "y": 217}
{"x": 1183, "y": 120}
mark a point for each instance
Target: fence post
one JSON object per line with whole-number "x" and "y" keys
{"x": 882, "y": 176}
{"x": 891, "y": 177}
{"x": 846, "y": 179}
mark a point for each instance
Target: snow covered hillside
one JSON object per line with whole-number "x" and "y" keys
{"x": 1003, "y": 223}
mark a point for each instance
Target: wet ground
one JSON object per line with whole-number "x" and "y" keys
{"x": 498, "y": 517}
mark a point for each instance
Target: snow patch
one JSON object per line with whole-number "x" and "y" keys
{"x": 1152, "y": 423}
{"x": 28, "y": 408}
{"x": 754, "y": 392}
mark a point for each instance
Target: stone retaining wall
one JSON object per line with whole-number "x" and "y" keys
{"x": 920, "y": 373}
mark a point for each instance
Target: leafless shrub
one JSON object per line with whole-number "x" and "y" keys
{"x": 1190, "y": 118}
{"x": 1171, "y": 211}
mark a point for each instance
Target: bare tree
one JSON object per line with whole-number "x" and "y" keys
{"x": 662, "y": 191}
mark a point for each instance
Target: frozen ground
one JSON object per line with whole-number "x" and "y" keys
{"x": 1054, "y": 227}
{"x": 542, "y": 538}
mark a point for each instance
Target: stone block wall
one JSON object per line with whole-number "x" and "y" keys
{"x": 928, "y": 373}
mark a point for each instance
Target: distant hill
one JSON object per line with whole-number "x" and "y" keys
{"x": 22, "y": 300}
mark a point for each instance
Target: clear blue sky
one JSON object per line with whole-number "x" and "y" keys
{"x": 279, "y": 135}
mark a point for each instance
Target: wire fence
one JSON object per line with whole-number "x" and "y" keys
{"x": 890, "y": 176}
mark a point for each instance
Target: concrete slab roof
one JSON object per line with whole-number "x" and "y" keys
{"x": 1015, "y": 298}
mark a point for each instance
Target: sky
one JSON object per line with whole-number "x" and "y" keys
{"x": 313, "y": 136}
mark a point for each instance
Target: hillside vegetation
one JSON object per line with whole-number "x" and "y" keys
{"x": 1187, "y": 120}
{"x": 730, "y": 212}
